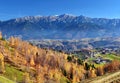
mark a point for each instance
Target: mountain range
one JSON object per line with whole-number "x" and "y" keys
{"x": 63, "y": 26}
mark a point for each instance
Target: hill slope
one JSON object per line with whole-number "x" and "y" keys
{"x": 5, "y": 80}
{"x": 108, "y": 78}
{"x": 24, "y": 63}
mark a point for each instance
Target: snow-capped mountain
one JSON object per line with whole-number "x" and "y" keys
{"x": 60, "y": 27}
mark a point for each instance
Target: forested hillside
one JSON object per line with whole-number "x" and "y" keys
{"x": 24, "y": 63}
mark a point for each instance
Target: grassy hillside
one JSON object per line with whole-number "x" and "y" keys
{"x": 111, "y": 57}
{"x": 5, "y": 80}
{"x": 13, "y": 73}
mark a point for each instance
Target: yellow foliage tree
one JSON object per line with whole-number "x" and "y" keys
{"x": 92, "y": 73}
{"x": 39, "y": 79}
{"x": 32, "y": 63}
{"x": 2, "y": 68}
{"x": 0, "y": 35}
{"x": 12, "y": 41}
{"x": 26, "y": 77}
{"x": 100, "y": 71}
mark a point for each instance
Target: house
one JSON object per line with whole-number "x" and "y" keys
{"x": 100, "y": 60}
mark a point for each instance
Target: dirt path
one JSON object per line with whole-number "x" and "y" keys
{"x": 104, "y": 79}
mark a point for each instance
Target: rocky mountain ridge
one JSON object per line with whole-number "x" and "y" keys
{"x": 60, "y": 27}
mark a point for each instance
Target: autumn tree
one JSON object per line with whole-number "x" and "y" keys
{"x": 32, "y": 63}
{"x": 12, "y": 41}
{"x": 100, "y": 71}
{"x": 39, "y": 78}
{"x": 26, "y": 77}
{"x": 2, "y": 68}
{"x": 92, "y": 73}
{"x": 0, "y": 35}
{"x": 113, "y": 66}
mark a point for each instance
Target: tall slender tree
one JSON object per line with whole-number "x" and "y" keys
{"x": 2, "y": 68}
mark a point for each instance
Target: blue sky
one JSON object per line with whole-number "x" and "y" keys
{"x": 92, "y": 8}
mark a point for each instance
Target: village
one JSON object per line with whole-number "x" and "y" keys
{"x": 98, "y": 55}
